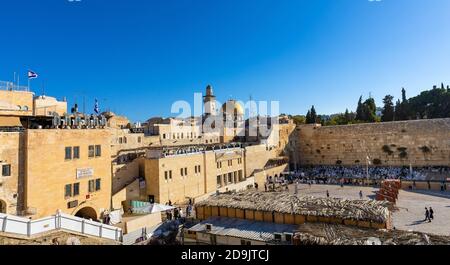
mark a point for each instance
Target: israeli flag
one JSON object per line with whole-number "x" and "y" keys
{"x": 96, "y": 108}
{"x": 32, "y": 75}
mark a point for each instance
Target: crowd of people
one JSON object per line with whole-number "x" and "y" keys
{"x": 374, "y": 173}
{"x": 178, "y": 213}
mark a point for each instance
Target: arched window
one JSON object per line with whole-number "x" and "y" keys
{"x": 2, "y": 206}
{"x": 124, "y": 140}
{"x": 120, "y": 140}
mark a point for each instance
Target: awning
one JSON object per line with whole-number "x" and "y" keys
{"x": 152, "y": 208}
{"x": 6, "y": 121}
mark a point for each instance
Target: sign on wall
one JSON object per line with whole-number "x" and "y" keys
{"x": 85, "y": 172}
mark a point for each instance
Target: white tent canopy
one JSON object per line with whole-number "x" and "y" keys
{"x": 152, "y": 208}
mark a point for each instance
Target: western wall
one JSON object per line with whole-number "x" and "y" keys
{"x": 417, "y": 143}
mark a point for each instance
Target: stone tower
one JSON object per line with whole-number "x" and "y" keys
{"x": 210, "y": 102}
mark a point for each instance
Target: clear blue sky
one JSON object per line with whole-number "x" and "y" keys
{"x": 139, "y": 56}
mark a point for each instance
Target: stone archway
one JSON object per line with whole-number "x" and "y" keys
{"x": 2, "y": 206}
{"x": 87, "y": 213}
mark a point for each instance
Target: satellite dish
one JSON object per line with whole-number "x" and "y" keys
{"x": 373, "y": 241}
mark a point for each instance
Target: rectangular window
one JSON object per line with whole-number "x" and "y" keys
{"x": 98, "y": 183}
{"x": 170, "y": 174}
{"x": 219, "y": 181}
{"x": 91, "y": 185}
{"x": 68, "y": 155}
{"x": 76, "y": 152}
{"x": 6, "y": 170}
{"x": 68, "y": 190}
{"x": 185, "y": 171}
{"x": 98, "y": 150}
{"x": 164, "y": 136}
{"x": 181, "y": 172}
{"x": 166, "y": 175}
{"x": 230, "y": 178}
{"x": 76, "y": 189}
{"x": 91, "y": 151}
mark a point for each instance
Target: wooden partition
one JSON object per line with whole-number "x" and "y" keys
{"x": 268, "y": 217}
{"x": 206, "y": 212}
{"x": 249, "y": 214}
{"x": 259, "y": 216}
{"x": 279, "y": 218}
{"x": 231, "y": 213}
{"x": 240, "y": 214}
{"x": 289, "y": 219}
{"x": 214, "y": 211}
{"x": 223, "y": 211}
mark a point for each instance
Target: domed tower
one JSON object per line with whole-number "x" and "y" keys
{"x": 209, "y": 102}
{"x": 233, "y": 120}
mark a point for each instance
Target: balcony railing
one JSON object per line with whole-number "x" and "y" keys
{"x": 5, "y": 85}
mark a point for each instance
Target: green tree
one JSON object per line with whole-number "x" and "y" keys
{"x": 347, "y": 117}
{"x": 314, "y": 118}
{"x": 360, "y": 111}
{"x": 308, "y": 117}
{"x": 388, "y": 109}
{"x": 299, "y": 119}
{"x": 369, "y": 110}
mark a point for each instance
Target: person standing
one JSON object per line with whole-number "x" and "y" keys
{"x": 360, "y": 195}
{"x": 427, "y": 215}
{"x": 328, "y": 194}
{"x": 431, "y": 214}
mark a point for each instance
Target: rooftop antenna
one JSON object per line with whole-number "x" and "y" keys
{"x": 43, "y": 87}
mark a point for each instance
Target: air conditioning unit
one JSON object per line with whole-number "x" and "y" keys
{"x": 278, "y": 237}
{"x": 288, "y": 237}
{"x": 208, "y": 227}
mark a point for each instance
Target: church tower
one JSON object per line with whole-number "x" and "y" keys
{"x": 210, "y": 102}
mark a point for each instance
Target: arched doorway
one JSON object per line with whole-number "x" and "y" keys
{"x": 2, "y": 206}
{"x": 87, "y": 213}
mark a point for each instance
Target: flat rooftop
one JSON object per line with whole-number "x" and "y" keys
{"x": 245, "y": 229}
{"x": 285, "y": 202}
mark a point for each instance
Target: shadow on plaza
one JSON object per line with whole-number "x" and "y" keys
{"x": 419, "y": 222}
{"x": 440, "y": 194}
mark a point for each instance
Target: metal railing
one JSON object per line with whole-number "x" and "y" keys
{"x": 25, "y": 227}
{"x": 5, "y": 85}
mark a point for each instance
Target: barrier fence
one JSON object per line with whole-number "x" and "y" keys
{"x": 26, "y": 227}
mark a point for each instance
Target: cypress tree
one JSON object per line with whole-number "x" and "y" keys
{"x": 388, "y": 109}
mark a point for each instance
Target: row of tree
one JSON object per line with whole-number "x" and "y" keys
{"x": 429, "y": 104}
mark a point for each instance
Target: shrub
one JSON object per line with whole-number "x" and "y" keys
{"x": 425, "y": 149}
{"x": 387, "y": 150}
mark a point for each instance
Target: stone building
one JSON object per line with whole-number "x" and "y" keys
{"x": 51, "y": 163}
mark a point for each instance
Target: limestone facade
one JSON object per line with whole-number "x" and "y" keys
{"x": 417, "y": 143}
{"x": 11, "y": 171}
{"x": 69, "y": 170}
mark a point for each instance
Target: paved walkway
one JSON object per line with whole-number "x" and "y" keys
{"x": 411, "y": 205}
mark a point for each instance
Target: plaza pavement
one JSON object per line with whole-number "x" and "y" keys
{"x": 411, "y": 205}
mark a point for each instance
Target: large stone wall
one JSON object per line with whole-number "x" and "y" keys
{"x": 423, "y": 142}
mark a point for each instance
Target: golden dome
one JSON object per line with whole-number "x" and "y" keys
{"x": 234, "y": 106}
